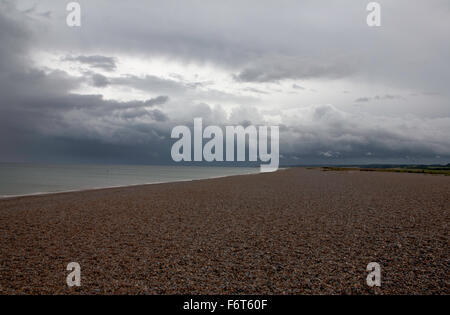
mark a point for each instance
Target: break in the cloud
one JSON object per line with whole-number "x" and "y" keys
{"x": 112, "y": 90}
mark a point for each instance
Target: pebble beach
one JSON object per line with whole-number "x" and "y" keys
{"x": 295, "y": 231}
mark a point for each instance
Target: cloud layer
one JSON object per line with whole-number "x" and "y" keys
{"x": 247, "y": 62}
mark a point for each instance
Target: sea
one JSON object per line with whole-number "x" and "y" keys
{"x": 33, "y": 179}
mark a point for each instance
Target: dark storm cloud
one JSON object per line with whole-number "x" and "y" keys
{"x": 41, "y": 120}
{"x": 83, "y": 120}
{"x": 100, "y": 62}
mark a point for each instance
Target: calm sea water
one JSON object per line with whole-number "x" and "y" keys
{"x": 27, "y": 179}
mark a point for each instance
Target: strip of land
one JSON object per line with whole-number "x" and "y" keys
{"x": 296, "y": 231}
{"x": 429, "y": 170}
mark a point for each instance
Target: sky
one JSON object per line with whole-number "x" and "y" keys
{"x": 111, "y": 90}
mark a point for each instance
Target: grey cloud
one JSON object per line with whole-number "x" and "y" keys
{"x": 152, "y": 83}
{"x": 318, "y": 40}
{"x": 34, "y": 11}
{"x": 155, "y": 84}
{"x": 155, "y": 114}
{"x": 99, "y": 80}
{"x": 255, "y": 90}
{"x": 378, "y": 97}
{"x": 279, "y": 67}
{"x": 95, "y": 61}
{"x": 157, "y": 101}
{"x": 46, "y": 14}
{"x": 297, "y": 87}
{"x": 328, "y": 132}
{"x": 158, "y": 115}
{"x": 194, "y": 85}
{"x": 388, "y": 97}
{"x": 149, "y": 83}
{"x": 95, "y": 105}
{"x": 15, "y": 40}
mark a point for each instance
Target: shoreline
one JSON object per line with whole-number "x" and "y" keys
{"x": 7, "y": 197}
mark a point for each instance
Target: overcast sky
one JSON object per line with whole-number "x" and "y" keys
{"x": 111, "y": 90}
